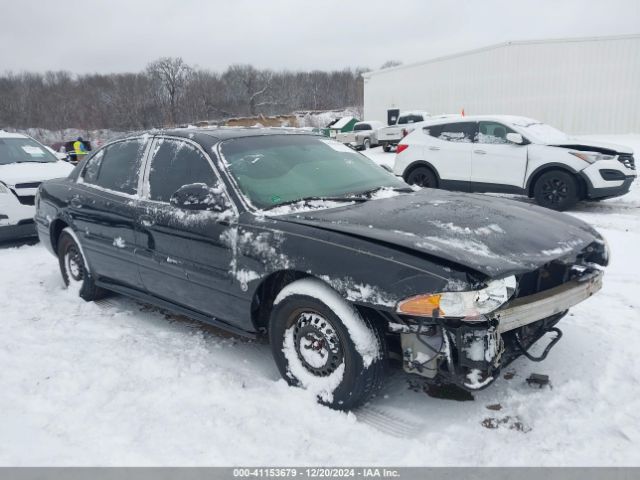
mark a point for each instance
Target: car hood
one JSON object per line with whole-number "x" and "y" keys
{"x": 491, "y": 235}
{"x": 15, "y": 173}
{"x": 595, "y": 144}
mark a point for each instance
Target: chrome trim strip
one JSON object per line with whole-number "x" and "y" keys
{"x": 531, "y": 308}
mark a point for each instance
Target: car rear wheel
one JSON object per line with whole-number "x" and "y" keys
{"x": 423, "y": 177}
{"x": 556, "y": 190}
{"x": 74, "y": 270}
{"x": 321, "y": 343}
{"x": 386, "y": 147}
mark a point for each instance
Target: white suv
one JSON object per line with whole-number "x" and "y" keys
{"x": 501, "y": 153}
{"x": 24, "y": 164}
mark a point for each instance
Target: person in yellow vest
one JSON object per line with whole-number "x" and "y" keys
{"x": 79, "y": 149}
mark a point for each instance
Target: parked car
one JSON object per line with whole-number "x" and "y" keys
{"x": 341, "y": 264}
{"x": 500, "y": 153}
{"x": 363, "y": 136}
{"x": 390, "y": 136}
{"x": 24, "y": 164}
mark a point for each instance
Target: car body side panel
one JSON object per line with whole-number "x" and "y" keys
{"x": 452, "y": 160}
{"x": 542, "y": 155}
{"x": 378, "y": 275}
{"x": 105, "y": 225}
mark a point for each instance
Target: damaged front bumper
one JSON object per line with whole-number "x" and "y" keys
{"x": 471, "y": 354}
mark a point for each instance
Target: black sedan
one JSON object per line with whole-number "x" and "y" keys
{"x": 344, "y": 267}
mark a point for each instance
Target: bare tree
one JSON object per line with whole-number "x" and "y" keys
{"x": 168, "y": 92}
{"x": 248, "y": 84}
{"x": 172, "y": 74}
{"x": 390, "y": 64}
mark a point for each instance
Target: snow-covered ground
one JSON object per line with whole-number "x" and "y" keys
{"x": 121, "y": 383}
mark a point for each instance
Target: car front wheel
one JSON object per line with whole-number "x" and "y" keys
{"x": 321, "y": 343}
{"x": 556, "y": 190}
{"x": 73, "y": 268}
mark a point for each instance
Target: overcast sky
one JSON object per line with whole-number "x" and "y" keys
{"x": 84, "y": 36}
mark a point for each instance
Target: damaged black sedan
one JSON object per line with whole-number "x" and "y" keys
{"x": 340, "y": 264}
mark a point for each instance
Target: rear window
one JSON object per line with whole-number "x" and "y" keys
{"x": 116, "y": 167}
{"x": 463, "y": 132}
{"x": 23, "y": 150}
{"x": 410, "y": 119}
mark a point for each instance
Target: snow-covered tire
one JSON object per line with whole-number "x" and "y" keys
{"x": 321, "y": 343}
{"x": 73, "y": 268}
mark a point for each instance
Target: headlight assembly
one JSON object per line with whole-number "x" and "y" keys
{"x": 591, "y": 157}
{"x": 469, "y": 305}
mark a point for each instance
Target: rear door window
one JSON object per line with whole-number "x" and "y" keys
{"x": 175, "y": 163}
{"x": 412, "y": 118}
{"x": 117, "y": 166}
{"x": 461, "y": 132}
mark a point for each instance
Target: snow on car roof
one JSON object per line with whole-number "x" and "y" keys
{"x": 513, "y": 119}
{"x": 4, "y": 134}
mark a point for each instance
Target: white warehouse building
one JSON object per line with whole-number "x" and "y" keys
{"x": 581, "y": 85}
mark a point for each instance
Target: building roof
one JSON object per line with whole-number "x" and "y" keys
{"x": 501, "y": 45}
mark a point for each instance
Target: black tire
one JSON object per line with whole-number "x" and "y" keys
{"x": 386, "y": 147}
{"x": 423, "y": 177}
{"x": 366, "y": 144}
{"x": 302, "y": 323}
{"x": 557, "y": 190}
{"x": 74, "y": 270}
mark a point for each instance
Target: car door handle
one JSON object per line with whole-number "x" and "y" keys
{"x": 480, "y": 152}
{"x": 75, "y": 202}
{"x": 434, "y": 148}
{"x": 146, "y": 220}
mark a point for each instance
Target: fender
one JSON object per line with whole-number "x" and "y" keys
{"x": 548, "y": 166}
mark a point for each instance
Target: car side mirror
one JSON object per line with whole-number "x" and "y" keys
{"x": 515, "y": 138}
{"x": 198, "y": 196}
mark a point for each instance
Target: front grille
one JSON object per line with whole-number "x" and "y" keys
{"x": 28, "y": 185}
{"x": 27, "y": 199}
{"x": 544, "y": 278}
{"x": 557, "y": 272}
{"x": 627, "y": 160}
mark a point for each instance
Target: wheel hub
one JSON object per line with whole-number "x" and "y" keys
{"x": 555, "y": 190}
{"x": 75, "y": 268}
{"x": 317, "y": 344}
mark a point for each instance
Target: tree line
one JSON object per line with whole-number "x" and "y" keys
{"x": 168, "y": 92}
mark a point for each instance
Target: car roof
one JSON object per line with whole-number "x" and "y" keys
{"x": 4, "y": 134}
{"x": 224, "y": 133}
{"x": 513, "y": 119}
